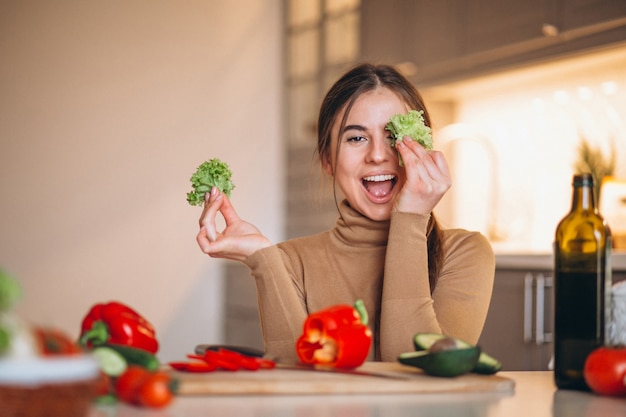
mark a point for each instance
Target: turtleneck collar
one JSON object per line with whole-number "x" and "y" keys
{"x": 354, "y": 229}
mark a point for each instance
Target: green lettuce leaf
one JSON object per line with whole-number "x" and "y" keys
{"x": 211, "y": 173}
{"x": 410, "y": 124}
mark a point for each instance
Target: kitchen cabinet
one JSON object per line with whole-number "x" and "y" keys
{"x": 577, "y": 14}
{"x": 452, "y": 39}
{"x": 518, "y": 330}
{"x": 520, "y": 322}
{"x": 241, "y": 323}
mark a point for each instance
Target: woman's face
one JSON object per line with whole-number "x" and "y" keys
{"x": 366, "y": 167}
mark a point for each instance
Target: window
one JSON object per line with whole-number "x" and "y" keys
{"x": 322, "y": 39}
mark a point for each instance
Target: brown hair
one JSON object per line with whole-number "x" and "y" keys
{"x": 361, "y": 79}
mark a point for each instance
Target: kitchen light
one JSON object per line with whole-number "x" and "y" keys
{"x": 609, "y": 88}
{"x": 539, "y": 105}
{"x": 561, "y": 97}
{"x": 585, "y": 93}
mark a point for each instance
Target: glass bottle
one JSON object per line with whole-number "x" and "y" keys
{"x": 582, "y": 284}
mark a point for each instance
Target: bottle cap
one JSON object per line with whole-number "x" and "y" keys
{"x": 585, "y": 179}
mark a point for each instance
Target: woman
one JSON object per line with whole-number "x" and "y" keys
{"x": 386, "y": 247}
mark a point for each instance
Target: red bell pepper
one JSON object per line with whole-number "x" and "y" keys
{"x": 117, "y": 323}
{"x": 337, "y": 336}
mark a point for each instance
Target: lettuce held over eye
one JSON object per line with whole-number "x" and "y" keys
{"x": 410, "y": 124}
{"x": 211, "y": 173}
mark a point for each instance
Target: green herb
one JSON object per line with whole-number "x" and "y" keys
{"x": 410, "y": 124}
{"x": 594, "y": 161}
{"x": 10, "y": 291}
{"x": 209, "y": 174}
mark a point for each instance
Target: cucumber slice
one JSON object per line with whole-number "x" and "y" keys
{"x": 445, "y": 363}
{"x": 486, "y": 364}
{"x": 136, "y": 356}
{"x": 111, "y": 362}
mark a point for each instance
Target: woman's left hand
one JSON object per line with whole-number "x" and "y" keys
{"x": 237, "y": 241}
{"x": 427, "y": 178}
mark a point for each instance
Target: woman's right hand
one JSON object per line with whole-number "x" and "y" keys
{"x": 237, "y": 241}
{"x": 427, "y": 178}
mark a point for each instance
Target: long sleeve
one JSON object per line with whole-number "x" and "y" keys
{"x": 280, "y": 300}
{"x": 459, "y": 304}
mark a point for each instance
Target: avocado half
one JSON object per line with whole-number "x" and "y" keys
{"x": 486, "y": 364}
{"x": 445, "y": 363}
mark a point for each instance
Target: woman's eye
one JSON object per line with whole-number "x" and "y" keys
{"x": 356, "y": 139}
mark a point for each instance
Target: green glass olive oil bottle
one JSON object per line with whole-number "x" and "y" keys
{"x": 582, "y": 285}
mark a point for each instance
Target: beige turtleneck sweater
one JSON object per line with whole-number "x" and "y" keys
{"x": 386, "y": 265}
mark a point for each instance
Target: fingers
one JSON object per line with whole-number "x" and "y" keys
{"x": 228, "y": 211}
{"x": 212, "y": 205}
{"x": 203, "y": 240}
{"x": 236, "y": 248}
{"x": 427, "y": 178}
{"x": 430, "y": 165}
{"x": 441, "y": 163}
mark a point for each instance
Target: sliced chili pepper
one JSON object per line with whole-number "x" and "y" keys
{"x": 229, "y": 360}
{"x": 265, "y": 363}
{"x": 117, "y": 323}
{"x": 224, "y": 362}
{"x": 337, "y": 336}
{"x": 246, "y": 362}
{"x": 193, "y": 366}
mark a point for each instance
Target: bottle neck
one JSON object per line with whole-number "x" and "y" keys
{"x": 583, "y": 199}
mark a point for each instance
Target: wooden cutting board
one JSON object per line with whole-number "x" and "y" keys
{"x": 398, "y": 379}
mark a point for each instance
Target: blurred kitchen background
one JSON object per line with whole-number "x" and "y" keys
{"x": 107, "y": 108}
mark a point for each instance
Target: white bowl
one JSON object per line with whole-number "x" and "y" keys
{"x": 48, "y": 370}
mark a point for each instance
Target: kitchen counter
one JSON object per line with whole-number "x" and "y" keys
{"x": 544, "y": 261}
{"x": 535, "y": 395}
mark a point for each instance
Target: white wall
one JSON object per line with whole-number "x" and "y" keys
{"x": 106, "y": 109}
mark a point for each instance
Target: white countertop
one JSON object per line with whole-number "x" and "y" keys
{"x": 535, "y": 396}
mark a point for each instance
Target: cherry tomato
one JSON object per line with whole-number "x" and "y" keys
{"x": 155, "y": 391}
{"x": 605, "y": 371}
{"x": 127, "y": 385}
{"x": 104, "y": 385}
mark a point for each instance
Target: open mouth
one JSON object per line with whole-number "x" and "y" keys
{"x": 379, "y": 185}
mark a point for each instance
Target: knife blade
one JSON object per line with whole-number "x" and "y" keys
{"x": 248, "y": 351}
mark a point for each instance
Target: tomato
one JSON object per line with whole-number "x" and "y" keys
{"x": 155, "y": 391}
{"x": 127, "y": 385}
{"x": 53, "y": 341}
{"x": 104, "y": 385}
{"x": 605, "y": 371}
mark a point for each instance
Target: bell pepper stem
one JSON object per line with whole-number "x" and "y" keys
{"x": 359, "y": 306}
{"x": 97, "y": 335}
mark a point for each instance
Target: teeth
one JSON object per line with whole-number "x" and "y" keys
{"x": 378, "y": 178}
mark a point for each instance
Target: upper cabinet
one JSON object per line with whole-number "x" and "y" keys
{"x": 451, "y": 39}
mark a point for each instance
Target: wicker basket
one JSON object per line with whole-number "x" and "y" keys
{"x": 47, "y": 387}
